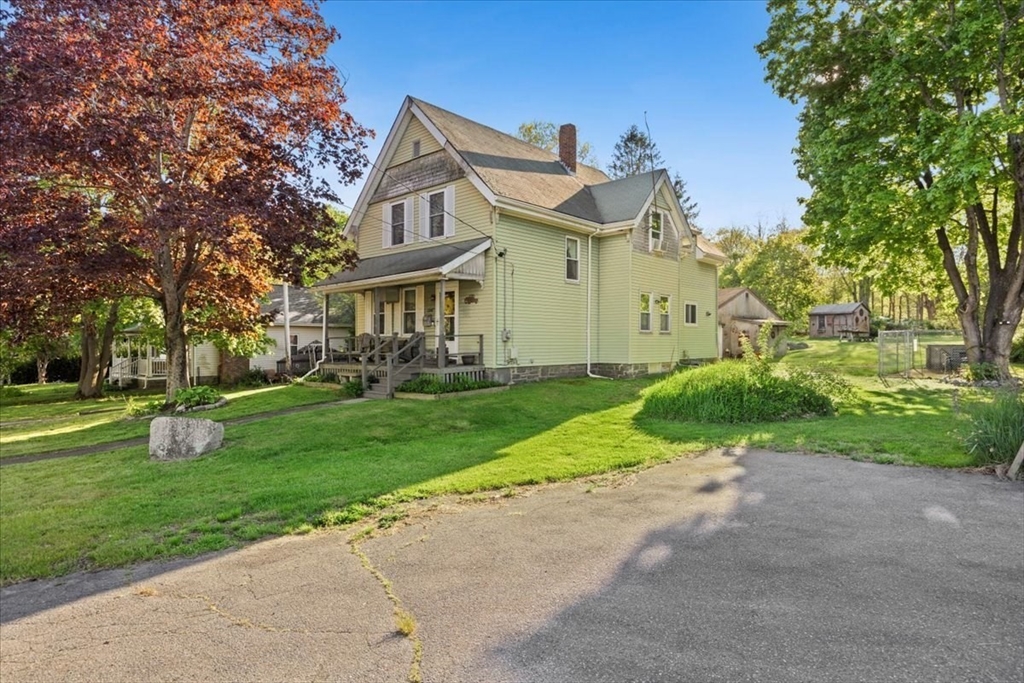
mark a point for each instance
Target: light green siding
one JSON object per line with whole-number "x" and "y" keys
{"x": 414, "y": 131}
{"x": 698, "y": 282}
{"x": 657, "y": 275}
{"x": 471, "y": 209}
{"x": 611, "y": 308}
{"x": 546, "y": 314}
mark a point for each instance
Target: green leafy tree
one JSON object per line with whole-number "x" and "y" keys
{"x": 737, "y": 244}
{"x": 783, "y": 273}
{"x": 544, "y": 134}
{"x": 637, "y": 153}
{"x": 912, "y": 140}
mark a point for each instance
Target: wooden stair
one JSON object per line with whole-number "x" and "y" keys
{"x": 379, "y": 389}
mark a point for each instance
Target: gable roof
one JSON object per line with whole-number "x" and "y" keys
{"x": 513, "y": 168}
{"x": 836, "y": 309}
{"x": 506, "y": 169}
{"x": 727, "y": 294}
{"x": 303, "y": 307}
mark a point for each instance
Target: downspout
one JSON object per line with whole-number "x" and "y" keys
{"x": 590, "y": 259}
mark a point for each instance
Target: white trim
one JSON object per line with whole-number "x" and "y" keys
{"x": 650, "y": 312}
{"x": 415, "y": 309}
{"x": 449, "y": 211}
{"x": 471, "y": 174}
{"x": 447, "y": 270}
{"x": 517, "y": 208}
{"x": 696, "y": 313}
{"x": 387, "y": 226}
{"x": 565, "y": 264}
{"x": 668, "y": 315}
{"x": 374, "y": 177}
{"x": 450, "y": 287}
{"x": 463, "y": 258}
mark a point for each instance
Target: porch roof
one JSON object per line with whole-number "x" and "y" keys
{"x": 439, "y": 261}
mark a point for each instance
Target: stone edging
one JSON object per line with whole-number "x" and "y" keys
{"x": 451, "y": 394}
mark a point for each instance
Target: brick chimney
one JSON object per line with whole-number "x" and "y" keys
{"x": 567, "y": 147}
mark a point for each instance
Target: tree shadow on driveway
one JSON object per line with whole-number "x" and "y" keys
{"x": 827, "y": 570}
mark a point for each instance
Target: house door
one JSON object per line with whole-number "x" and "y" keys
{"x": 448, "y": 315}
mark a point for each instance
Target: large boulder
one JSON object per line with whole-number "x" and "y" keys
{"x": 183, "y": 438}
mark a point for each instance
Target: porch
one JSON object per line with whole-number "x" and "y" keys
{"x": 383, "y": 362}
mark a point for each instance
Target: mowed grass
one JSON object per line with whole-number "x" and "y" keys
{"x": 335, "y": 465}
{"x": 46, "y": 418}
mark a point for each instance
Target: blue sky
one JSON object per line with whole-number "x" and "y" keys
{"x": 690, "y": 65}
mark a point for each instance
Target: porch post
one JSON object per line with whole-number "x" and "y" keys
{"x": 442, "y": 347}
{"x": 323, "y": 349}
{"x": 287, "y": 333}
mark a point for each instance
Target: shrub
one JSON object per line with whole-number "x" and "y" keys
{"x": 980, "y": 372}
{"x": 352, "y": 389}
{"x": 328, "y": 378}
{"x": 256, "y": 377}
{"x": 7, "y": 391}
{"x": 994, "y": 429}
{"x": 745, "y": 391}
{"x": 201, "y": 395}
{"x": 432, "y": 384}
{"x": 1017, "y": 349}
{"x": 135, "y": 408}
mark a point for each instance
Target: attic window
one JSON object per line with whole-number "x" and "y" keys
{"x": 657, "y": 232}
{"x": 415, "y": 148}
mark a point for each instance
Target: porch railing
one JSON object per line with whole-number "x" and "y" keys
{"x": 468, "y": 352}
{"x": 393, "y": 349}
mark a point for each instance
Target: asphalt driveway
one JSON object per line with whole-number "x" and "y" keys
{"x": 732, "y": 567}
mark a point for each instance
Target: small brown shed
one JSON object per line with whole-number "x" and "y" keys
{"x": 742, "y": 312}
{"x": 840, "y": 320}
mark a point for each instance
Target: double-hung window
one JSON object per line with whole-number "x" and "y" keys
{"x": 408, "y": 311}
{"x": 379, "y": 316}
{"x": 293, "y": 344}
{"x": 572, "y": 259}
{"x": 665, "y": 322}
{"x": 657, "y": 230}
{"x": 689, "y": 313}
{"x": 645, "y": 312}
{"x": 437, "y": 214}
{"x": 435, "y": 217}
{"x": 397, "y": 223}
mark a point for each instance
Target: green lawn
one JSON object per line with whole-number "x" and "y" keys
{"x": 47, "y": 418}
{"x": 334, "y": 465}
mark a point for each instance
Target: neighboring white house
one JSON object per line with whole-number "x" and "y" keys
{"x": 306, "y": 326}
{"x": 137, "y": 361}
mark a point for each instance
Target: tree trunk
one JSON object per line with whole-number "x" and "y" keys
{"x": 177, "y": 352}
{"x": 42, "y": 362}
{"x": 96, "y": 352}
{"x": 988, "y": 338}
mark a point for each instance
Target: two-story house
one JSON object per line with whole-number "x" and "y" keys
{"x": 517, "y": 263}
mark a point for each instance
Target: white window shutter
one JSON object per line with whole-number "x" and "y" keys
{"x": 449, "y": 211}
{"x": 424, "y": 217}
{"x": 410, "y": 230}
{"x": 385, "y": 225}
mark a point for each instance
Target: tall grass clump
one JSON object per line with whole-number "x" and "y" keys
{"x": 748, "y": 390}
{"x": 993, "y": 429}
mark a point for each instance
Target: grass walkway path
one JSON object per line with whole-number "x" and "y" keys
{"x": 143, "y": 440}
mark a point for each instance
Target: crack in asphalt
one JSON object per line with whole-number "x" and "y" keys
{"x": 400, "y": 612}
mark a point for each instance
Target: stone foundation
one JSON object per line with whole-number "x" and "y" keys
{"x": 535, "y": 373}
